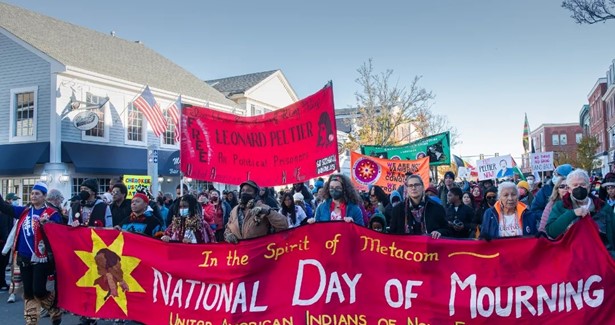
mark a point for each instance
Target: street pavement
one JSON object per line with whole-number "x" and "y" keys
{"x": 12, "y": 314}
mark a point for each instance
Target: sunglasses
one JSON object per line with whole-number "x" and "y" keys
{"x": 564, "y": 187}
{"x": 489, "y": 197}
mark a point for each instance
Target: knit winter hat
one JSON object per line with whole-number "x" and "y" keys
{"x": 40, "y": 186}
{"x": 92, "y": 184}
{"x": 564, "y": 170}
{"x": 141, "y": 196}
{"x": 297, "y": 197}
{"x": 609, "y": 180}
{"x": 524, "y": 184}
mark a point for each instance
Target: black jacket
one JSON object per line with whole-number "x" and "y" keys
{"x": 464, "y": 214}
{"x": 119, "y": 213}
{"x": 434, "y": 218}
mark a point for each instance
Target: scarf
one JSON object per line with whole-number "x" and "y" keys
{"x": 39, "y": 251}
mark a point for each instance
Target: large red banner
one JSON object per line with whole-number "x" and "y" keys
{"x": 290, "y": 145}
{"x": 386, "y": 173}
{"x": 336, "y": 274}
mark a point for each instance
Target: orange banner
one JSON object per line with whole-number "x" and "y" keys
{"x": 388, "y": 174}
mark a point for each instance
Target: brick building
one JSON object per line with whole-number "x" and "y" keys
{"x": 560, "y": 138}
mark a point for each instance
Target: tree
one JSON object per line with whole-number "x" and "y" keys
{"x": 586, "y": 151}
{"x": 590, "y": 11}
{"x": 389, "y": 114}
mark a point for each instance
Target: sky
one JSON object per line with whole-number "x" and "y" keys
{"x": 488, "y": 62}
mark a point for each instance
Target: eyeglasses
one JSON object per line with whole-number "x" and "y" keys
{"x": 565, "y": 187}
{"x": 415, "y": 185}
{"x": 610, "y": 187}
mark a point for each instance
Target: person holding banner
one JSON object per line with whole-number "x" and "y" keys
{"x": 580, "y": 203}
{"x": 419, "y": 215}
{"x": 189, "y": 226}
{"x": 219, "y": 210}
{"x": 141, "y": 220}
{"x": 252, "y": 218}
{"x": 341, "y": 202}
{"x": 32, "y": 252}
{"x": 508, "y": 217}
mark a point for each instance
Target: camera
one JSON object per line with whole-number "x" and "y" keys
{"x": 457, "y": 223}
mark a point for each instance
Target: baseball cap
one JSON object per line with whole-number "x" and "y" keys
{"x": 12, "y": 196}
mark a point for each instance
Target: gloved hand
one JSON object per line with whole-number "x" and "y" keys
{"x": 231, "y": 238}
{"x": 259, "y": 213}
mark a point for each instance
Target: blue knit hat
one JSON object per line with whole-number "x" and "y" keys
{"x": 564, "y": 170}
{"x": 40, "y": 186}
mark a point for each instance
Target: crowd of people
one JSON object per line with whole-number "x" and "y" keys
{"x": 464, "y": 210}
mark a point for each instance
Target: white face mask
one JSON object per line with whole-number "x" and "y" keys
{"x": 15, "y": 203}
{"x": 556, "y": 179}
{"x": 530, "y": 182}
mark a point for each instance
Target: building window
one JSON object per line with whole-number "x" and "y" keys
{"x": 134, "y": 125}
{"x": 168, "y": 137}
{"x": 542, "y": 141}
{"x": 555, "y": 139}
{"x": 563, "y": 139}
{"x": 23, "y": 103}
{"x": 103, "y": 185}
{"x": 579, "y": 137}
{"x": 252, "y": 110}
{"x": 99, "y": 130}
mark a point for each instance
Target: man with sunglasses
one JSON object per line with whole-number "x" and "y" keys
{"x": 419, "y": 214}
{"x": 579, "y": 203}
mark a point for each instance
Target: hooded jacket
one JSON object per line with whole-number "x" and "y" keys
{"x": 389, "y": 208}
{"x": 491, "y": 221}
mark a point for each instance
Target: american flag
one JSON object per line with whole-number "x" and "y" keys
{"x": 148, "y": 106}
{"x": 173, "y": 112}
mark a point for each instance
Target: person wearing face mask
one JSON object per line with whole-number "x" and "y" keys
{"x": 90, "y": 210}
{"x": 341, "y": 202}
{"x": 189, "y": 226}
{"x": 6, "y": 224}
{"x": 525, "y": 195}
{"x": 580, "y": 203}
{"x": 488, "y": 202}
{"x": 251, "y": 217}
{"x": 542, "y": 196}
{"x": 557, "y": 195}
{"x": 377, "y": 223}
{"x": 508, "y": 217}
{"x": 218, "y": 210}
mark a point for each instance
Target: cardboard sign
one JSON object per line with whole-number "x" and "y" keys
{"x": 495, "y": 167}
{"x": 136, "y": 183}
{"x": 542, "y": 161}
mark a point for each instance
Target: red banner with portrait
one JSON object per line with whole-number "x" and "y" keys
{"x": 386, "y": 173}
{"x": 289, "y": 145}
{"x": 336, "y": 273}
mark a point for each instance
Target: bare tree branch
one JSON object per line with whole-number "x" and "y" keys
{"x": 590, "y": 11}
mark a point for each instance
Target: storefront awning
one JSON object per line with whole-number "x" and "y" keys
{"x": 106, "y": 160}
{"x": 112, "y": 160}
{"x": 17, "y": 159}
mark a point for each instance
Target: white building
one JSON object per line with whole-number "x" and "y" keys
{"x": 47, "y": 69}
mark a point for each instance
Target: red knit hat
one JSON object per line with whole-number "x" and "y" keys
{"x": 142, "y": 197}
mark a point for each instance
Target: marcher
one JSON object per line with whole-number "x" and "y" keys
{"x": 419, "y": 214}
{"x": 341, "y": 202}
{"x": 32, "y": 252}
{"x": 449, "y": 182}
{"x": 90, "y": 210}
{"x": 55, "y": 200}
{"x": 378, "y": 223}
{"x": 458, "y": 215}
{"x": 579, "y": 203}
{"x": 295, "y": 213}
{"x": 252, "y": 218}
{"x": 300, "y": 201}
{"x": 189, "y": 226}
{"x": 120, "y": 208}
{"x": 219, "y": 211}
{"x": 394, "y": 200}
{"x": 508, "y": 217}
{"x": 562, "y": 189}
{"x": 525, "y": 195}
{"x": 141, "y": 220}
{"x": 6, "y": 226}
{"x": 542, "y": 196}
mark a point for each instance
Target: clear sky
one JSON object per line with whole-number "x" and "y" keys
{"x": 488, "y": 62}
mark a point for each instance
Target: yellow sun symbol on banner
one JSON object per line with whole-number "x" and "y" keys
{"x": 366, "y": 170}
{"x": 92, "y": 276}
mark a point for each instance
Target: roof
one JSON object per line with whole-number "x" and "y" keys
{"x": 239, "y": 84}
{"x": 79, "y": 47}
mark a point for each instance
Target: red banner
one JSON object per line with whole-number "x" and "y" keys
{"x": 290, "y": 145}
{"x": 386, "y": 173}
{"x": 336, "y": 274}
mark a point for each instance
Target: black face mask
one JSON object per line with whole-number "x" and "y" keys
{"x": 336, "y": 194}
{"x": 246, "y": 197}
{"x": 491, "y": 202}
{"x": 84, "y": 195}
{"x": 579, "y": 193}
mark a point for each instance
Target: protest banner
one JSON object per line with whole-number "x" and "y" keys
{"x": 495, "y": 167}
{"x": 437, "y": 147}
{"x": 290, "y": 145}
{"x": 303, "y": 276}
{"x": 542, "y": 161}
{"x": 136, "y": 183}
{"x": 388, "y": 174}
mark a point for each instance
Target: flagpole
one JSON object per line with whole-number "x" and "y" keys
{"x": 179, "y": 130}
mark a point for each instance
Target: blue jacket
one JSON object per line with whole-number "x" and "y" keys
{"x": 491, "y": 222}
{"x": 540, "y": 200}
{"x": 323, "y": 212}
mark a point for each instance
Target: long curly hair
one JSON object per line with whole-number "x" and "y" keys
{"x": 289, "y": 211}
{"x": 350, "y": 193}
{"x": 194, "y": 208}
